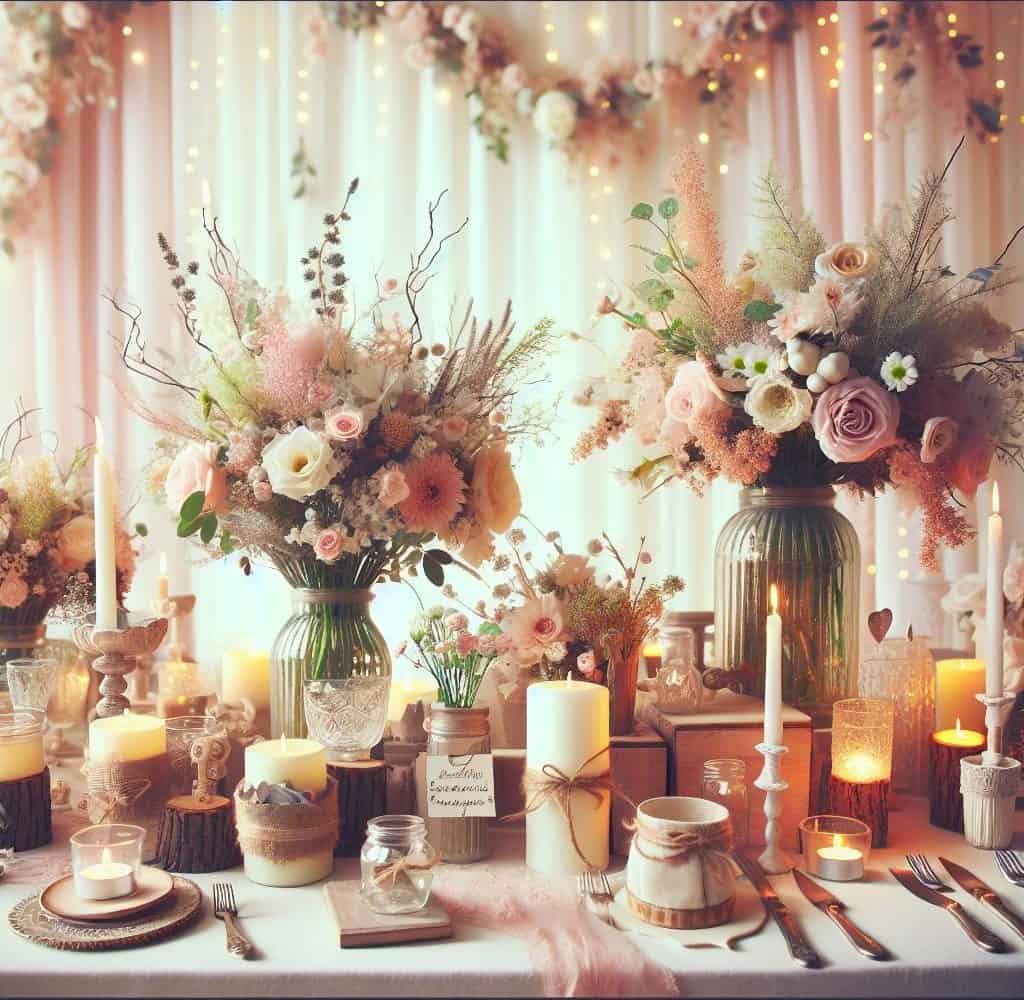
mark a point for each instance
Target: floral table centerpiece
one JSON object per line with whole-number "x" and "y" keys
{"x": 339, "y": 446}
{"x": 863, "y": 365}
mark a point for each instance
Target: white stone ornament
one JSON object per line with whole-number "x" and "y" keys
{"x": 816, "y": 383}
{"x": 833, "y": 368}
{"x": 803, "y": 356}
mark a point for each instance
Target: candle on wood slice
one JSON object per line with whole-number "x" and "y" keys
{"x": 299, "y": 763}
{"x": 567, "y": 722}
{"x": 127, "y": 737}
{"x": 245, "y": 675}
{"x": 945, "y": 801}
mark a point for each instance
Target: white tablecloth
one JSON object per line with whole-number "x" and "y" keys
{"x": 300, "y": 955}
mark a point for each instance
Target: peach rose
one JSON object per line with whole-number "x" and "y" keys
{"x": 940, "y": 434}
{"x": 495, "y": 492}
{"x": 329, "y": 545}
{"x": 195, "y": 468}
{"x": 76, "y": 544}
{"x": 344, "y": 425}
{"x": 454, "y": 428}
{"x": 475, "y": 544}
{"x": 691, "y": 394}
{"x": 393, "y": 488}
{"x": 846, "y": 261}
{"x": 13, "y": 591}
{"x": 969, "y": 468}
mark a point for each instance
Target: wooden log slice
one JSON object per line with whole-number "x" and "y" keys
{"x": 197, "y": 836}
{"x": 867, "y": 801}
{"x": 25, "y": 819}
{"x": 681, "y": 920}
{"x": 945, "y": 802}
{"x": 362, "y": 796}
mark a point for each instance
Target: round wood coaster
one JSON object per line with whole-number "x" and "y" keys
{"x": 30, "y": 921}
{"x": 152, "y": 886}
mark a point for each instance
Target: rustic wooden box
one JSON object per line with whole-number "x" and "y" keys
{"x": 639, "y": 769}
{"x": 731, "y": 726}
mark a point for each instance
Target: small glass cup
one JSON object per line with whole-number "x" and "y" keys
{"x": 835, "y": 847}
{"x": 397, "y": 864}
{"x": 725, "y": 782}
{"x": 680, "y": 688}
{"x": 347, "y": 715}
{"x": 105, "y": 860}
{"x": 31, "y": 682}
{"x": 182, "y": 732}
{"x": 21, "y": 744}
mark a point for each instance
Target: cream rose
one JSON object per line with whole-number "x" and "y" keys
{"x": 495, "y": 492}
{"x": 846, "y": 261}
{"x": 76, "y": 543}
{"x": 18, "y": 174}
{"x": 298, "y": 464}
{"x": 195, "y": 469}
{"x": 554, "y": 115}
{"x": 776, "y": 405}
{"x": 23, "y": 107}
{"x": 940, "y": 434}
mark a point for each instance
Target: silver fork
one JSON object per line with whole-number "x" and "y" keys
{"x": 922, "y": 868}
{"x": 1010, "y": 865}
{"x": 224, "y": 909}
{"x": 595, "y": 889}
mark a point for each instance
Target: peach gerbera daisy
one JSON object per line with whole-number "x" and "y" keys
{"x": 437, "y": 492}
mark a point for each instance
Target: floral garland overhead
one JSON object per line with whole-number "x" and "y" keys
{"x": 590, "y": 114}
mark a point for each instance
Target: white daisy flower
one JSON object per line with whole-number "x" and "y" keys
{"x": 733, "y": 360}
{"x": 899, "y": 371}
{"x": 763, "y": 361}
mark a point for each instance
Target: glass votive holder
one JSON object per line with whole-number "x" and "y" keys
{"x": 835, "y": 847}
{"x": 105, "y": 860}
{"x": 862, "y": 737}
{"x": 183, "y": 688}
{"x": 21, "y": 744}
{"x": 397, "y": 864}
{"x": 725, "y": 782}
{"x": 182, "y": 733}
{"x": 347, "y": 715}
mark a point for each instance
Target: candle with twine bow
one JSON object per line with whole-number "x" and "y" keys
{"x": 568, "y": 777}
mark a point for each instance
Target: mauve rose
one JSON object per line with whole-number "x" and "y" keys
{"x": 855, "y": 419}
{"x": 691, "y": 394}
{"x": 969, "y": 467}
{"x": 13, "y": 591}
{"x": 940, "y": 434}
{"x": 195, "y": 468}
{"x": 343, "y": 425}
{"x": 328, "y": 545}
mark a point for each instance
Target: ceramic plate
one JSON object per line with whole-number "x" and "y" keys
{"x": 152, "y": 886}
{"x": 747, "y": 914}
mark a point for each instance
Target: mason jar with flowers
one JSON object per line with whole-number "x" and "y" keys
{"x": 857, "y": 365}
{"x": 344, "y": 448}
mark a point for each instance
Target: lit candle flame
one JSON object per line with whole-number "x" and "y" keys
{"x": 774, "y": 599}
{"x": 995, "y": 498}
{"x": 958, "y": 725}
{"x": 838, "y": 840}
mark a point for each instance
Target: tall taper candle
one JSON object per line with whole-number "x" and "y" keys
{"x": 994, "y": 627}
{"x": 103, "y": 517}
{"x": 773, "y": 673}
{"x": 163, "y": 586}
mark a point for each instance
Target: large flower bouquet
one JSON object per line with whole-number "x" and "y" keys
{"x": 858, "y": 364}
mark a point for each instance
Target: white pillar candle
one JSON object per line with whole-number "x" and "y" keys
{"x": 994, "y": 622}
{"x": 127, "y": 737}
{"x": 246, "y": 674}
{"x": 103, "y": 518}
{"x": 566, "y": 724}
{"x": 773, "y": 673}
{"x": 300, "y": 763}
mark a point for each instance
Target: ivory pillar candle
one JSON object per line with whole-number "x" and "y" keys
{"x": 948, "y": 748}
{"x": 103, "y": 518}
{"x": 246, "y": 674}
{"x": 127, "y": 737}
{"x": 567, "y": 722}
{"x": 300, "y": 763}
{"x": 21, "y": 745}
{"x": 957, "y": 682}
{"x": 773, "y": 673}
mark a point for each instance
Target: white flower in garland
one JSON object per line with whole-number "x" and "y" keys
{"x": 776, "y": 405}
{"x": 554, "y": 115}
{"x": 899, "y": 371}
{"x": 763, "y": 361}
{"x": 733, "y": 360}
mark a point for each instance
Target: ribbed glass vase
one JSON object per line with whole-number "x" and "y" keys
{"x": 793, "y": 538}
{"x": 331, "y": 636}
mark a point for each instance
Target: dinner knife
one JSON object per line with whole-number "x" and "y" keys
{"x": 972, "y": 884}
{"x": 799, "y": 948}
{"x": 833, "y": 908}
{"x": 983, "y": 938}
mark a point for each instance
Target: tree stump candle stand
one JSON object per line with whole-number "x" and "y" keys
{"x": 945, "y": 800}
{"x": 867, "y": 801}
{"x": 197, "y": 836}
{"x": 25, "y": 812}
{"x": 362, "y": 796}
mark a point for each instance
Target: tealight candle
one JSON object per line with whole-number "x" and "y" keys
{"x": 835, "y": 847}
{"x": 839, "y": 862}
{"x": 104, "y": 860}
{"x": 107, "y": 880}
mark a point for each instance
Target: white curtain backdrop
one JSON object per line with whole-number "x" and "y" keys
{"x": 214, "y": 107}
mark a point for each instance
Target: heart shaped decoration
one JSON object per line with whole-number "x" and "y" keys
{"x": 879, "y": 623}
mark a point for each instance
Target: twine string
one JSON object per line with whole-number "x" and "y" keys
{"x": 402, "y": 866}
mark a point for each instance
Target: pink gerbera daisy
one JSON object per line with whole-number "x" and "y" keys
{"x": 437, "y": 493}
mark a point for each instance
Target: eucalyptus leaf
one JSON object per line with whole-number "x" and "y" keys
{"x": 641, "y": 210}
{"x": 760, "y": 312}
{"x": 226, "y": 545}
{"x": 662, "y": 264}
{"x": 192, "y": 506}
{"x": 141, "y": 530}
{"x": 208, "y": 528}
{"x": 668, "y": 208}
{"x": 433, "y": 571}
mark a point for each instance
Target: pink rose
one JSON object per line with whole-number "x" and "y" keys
{"x": 195, "y": 468}
{"x": 940, "y": 434}
{"x": 855, "y": 419}
{"x": 393, "y": 488}
{"x": 691, "y": 394}
{"x": 513, "y": 78}
{"x": 344, "y": 425}
{"x": 970, "y": 466}
{"x": 466, "y": 643}
{"x": 13, "y": 591}
{"x": 329, "y": 545}
{"x": 322, "y": 393}
{"x": 456, "y": 622}
{"x": 454, "y": 428}
{"x": 262, "y": 491}
{"x": 586, "y": 663}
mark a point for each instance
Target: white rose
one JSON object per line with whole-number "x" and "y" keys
{"x": 468, "y": 27}
{"x": 450, "y": 16}
{"x": 298, "y": 464}
{"x": 75, "y": 15}
{"x": 776, "y": 405}
{"x": 17, "y": 175}
{"x": 846, "y": 261}
{"x": 32, "y": 53}
{"x": 23, "y": 107}
{"x": 554, "y": 115}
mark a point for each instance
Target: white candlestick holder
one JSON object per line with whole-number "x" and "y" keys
{"x": 994, "y": 722}
{"x": 774, "y": 860}
{"x": 990, "y": 796}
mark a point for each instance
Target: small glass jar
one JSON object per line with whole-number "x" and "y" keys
{"x": 835, "y": 847}
{"x": 680, "y": 688}
{"x": 397, "y": 864}
{"x": 105, "y": 860}
{"x": 676, "y": 639}
{"x": 725, "y": 782}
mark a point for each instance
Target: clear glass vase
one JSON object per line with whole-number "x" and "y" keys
{"x": 331, "y": 636}
{"x": 796, "y": 539}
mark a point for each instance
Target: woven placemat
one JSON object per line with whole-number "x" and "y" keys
{"x": 30, "y": 921}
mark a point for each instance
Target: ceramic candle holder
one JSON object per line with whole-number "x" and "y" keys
{"x": 105, "y": 860}
{"x": 990, "y": 795}
{"x": 835, "y": 847}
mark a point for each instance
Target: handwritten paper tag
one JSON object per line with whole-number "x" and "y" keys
{"x": 460, "y": 785}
